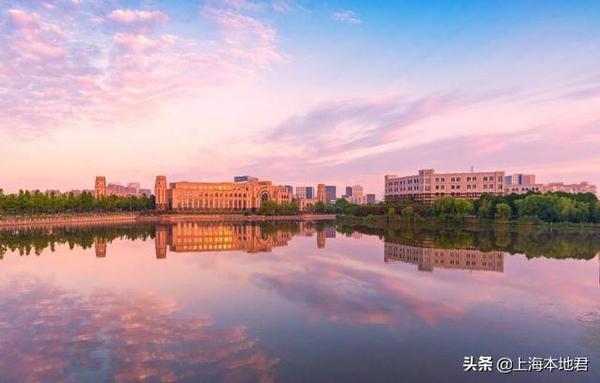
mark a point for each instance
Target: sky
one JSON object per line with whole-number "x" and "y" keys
{"x": 297, "y": 92}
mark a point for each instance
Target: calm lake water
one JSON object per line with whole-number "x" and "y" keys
{"x": 293, "y": 303}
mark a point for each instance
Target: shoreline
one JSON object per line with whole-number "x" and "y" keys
{"x": 132, "y": 218}
{"x": 381, "y": 222}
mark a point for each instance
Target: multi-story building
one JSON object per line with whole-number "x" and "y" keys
{"x": 289, "y": 188}
{"x": 524, "y": 183}
{"x": 330, "y": 193}
{"x": 520, "y": 183}
{"x": 357, "y": 199}
{"x": 429, "y": 185}
{"x": 101, "y": 189}
{"x": 520, "y": 179}
{"x": 523, "y": 189}
{"x": 304, "y": 192}
{"x": 582, "y": 187}
{"x": 354, "y": 191}
{"x": 135, "y": 187}
{"x": 428, "y": 258}
{"x": 371, "y": 198}
{"x": 119, "y": 190}
{"x": 217, "y": 196}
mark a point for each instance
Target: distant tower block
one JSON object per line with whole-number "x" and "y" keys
{"x": 160, "y": 192}
{"x": 321, "y": 194}
{"x": 160, "y": 242}
{"x": 100, "y": 246}
{"x": 100, "y": 187}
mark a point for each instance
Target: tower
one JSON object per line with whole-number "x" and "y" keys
{"x": 100, "y": 187}
{"x": 160, "y": 193}
{"x": 321, "y": 195}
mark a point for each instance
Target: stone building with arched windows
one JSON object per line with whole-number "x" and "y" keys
{"x": 217, "y": 196}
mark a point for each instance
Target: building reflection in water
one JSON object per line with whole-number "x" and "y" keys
{"x": 100, "y": 247}
{"x": 198, "y": 237}
{"x": 427, "y": 258}
{"x": 203, "y": 236}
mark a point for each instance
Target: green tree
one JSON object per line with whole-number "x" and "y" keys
{"x": 485, "y": 206}
{"x": 408, "y": 212}
{"x": 451, "y": 208}
{"x": 503, "y": 211}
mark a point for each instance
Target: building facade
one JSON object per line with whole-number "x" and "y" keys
{"x": 525, "y": 183}
{"x": 354, "y": 191}
{"x": 304, "y": 192}
{"x": 429, "y": 185}
{"x": 330, "y": 193}
{"x": 161, "y": 200}
{"x": 102, "y": 189}
{"x": 520, "y": 179}
{"x": 357, "y": 199}
{"x": 582, "y": 187}
{"x": 217, "y": 196}
{"x": 119, "y": 190}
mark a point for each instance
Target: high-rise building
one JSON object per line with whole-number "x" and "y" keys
{"x": 429, "y": 185}
{"x": 304, "y": 192}
{"x": 100, "y": 187}
{"x": 289, "y": 188}
{"x": 520, "y": 179}
{"x": 330, "y": 193}
{"x": 354, "y": 191}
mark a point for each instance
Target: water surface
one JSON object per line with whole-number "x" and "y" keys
{"x": 293, "y": 302}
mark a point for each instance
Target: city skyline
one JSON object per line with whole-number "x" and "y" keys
{"x": 298, "y": 92}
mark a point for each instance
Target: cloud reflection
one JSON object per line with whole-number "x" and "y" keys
{"x": 50, "y": 335}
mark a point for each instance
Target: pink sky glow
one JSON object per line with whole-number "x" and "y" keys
{"x": 214, "y": 89}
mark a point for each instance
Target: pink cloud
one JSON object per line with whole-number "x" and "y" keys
{"x": 23, "y": 19}
{"x": 246, "y": 37}
{"x": 134, "y": 16}
{"x": 139, "y": 42}
{"x": 55, "y": 76}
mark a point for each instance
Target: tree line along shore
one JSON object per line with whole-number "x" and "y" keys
{"x": 548, "y": 207}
